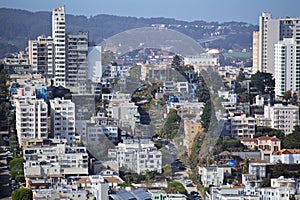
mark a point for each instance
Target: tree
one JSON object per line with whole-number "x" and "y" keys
{"x": 206, "y": 115}
{"x": 265, "y": 182}
{"x": 279, "y": 170}
{"x": 202, "y": 92}
{"x": 246, "y": 166}
{"x": 171, "y": 124}
{"x": 176, "y": 62}
{"x": 176, "y": 187}
{"x": 264, "y": 130}
{"x": 22, "y": 194}
{"x": 263, "y": 82}
{"x": 167, "y": 170}
{"x": 287, "y": 95}
{"x": 241, "y": 77}
{"x": 107, "y": 57}
{"x": 16, "y": 169}
{"x": 292, "y": 141}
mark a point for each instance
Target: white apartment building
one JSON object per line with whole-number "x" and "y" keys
{"x": 63, "y": 119}
{"x": 203, "y": 60}
{"x": 258, "y": 169}
{"x": 117, "y": 96}
{"x": 137, "y": 155}
{"x": 59, "y": 39}
{"x": 282, "y": 117}
{"x": 22, "y": 94}
{"x": 95, "y": 70}
{"x": 242, "y": 126}
{"x": 225, "y": 192}
{"x": 276, "y": 193}
{"x": 271, "y": 31}
{"x": 213, "y": 175}
{"x": 283, "y": 182}
{"x": 172, "y": 86}
{"x": 126, "y": 112}
{"x": 31, "y": 119}
{"x": 286, "y": 156}
{"x": 228, "y": 95}
{"x": 54, "y": 161}
{"x": 287, "y": 63}
{"x": 41, "y": 56}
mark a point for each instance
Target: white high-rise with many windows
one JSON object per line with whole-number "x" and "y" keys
{"x": 271, "y": 31}
{"x": 59, "y": 38}
{"x": 31, "y": 120}
{"x": 63, "y": 119}
{"x": 287, "y": 66}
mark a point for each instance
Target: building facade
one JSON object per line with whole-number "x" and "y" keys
{"x": 41, "y": 56}
{"x": 54, "y": 161}
{"x": 286, "y": 156}
{"x": 59, "y": 39}
{"x": 271, "y": 31}
{"x": 31, "y": 120}
{"x": 77, "y": 62}
{"x": 255, "y": 50}
{"x": 213, "y": 175}
{"x": 242, "y": 126}
{"x": 63, "y": 120}
{"x": 287, "y": 65}
{"x": 137, "y": 155}
{"x": 282, "y": 117}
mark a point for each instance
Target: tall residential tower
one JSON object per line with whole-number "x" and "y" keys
{"x": 59, "y": 38}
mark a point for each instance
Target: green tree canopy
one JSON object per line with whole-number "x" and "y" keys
{"x": 171, "y": 124}
{"x": 241, "y": 77}
{"x": 16, "y": 164}
{"x": 22, "y": 194}
{"x": 263, "y": 82}
{"x": 292, "y": 141}
{"x": 264, "y": 130}
{"x": 279, "y": 170}
{"x": 265, "y": 182}
{"x": 167, "y": 170}
{"x": 176, "y": 62}
{"x": 206, "y": 115}
{"x": 176, "y": 187}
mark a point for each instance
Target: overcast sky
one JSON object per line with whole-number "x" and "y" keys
{"x": 188, "y": 10}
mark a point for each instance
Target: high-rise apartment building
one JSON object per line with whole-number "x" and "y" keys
{"x": 59, "y": 38}
{"x": 271, "y": 31}
{"x": 63, "y": 119}
{"x": 31, "y": 120}
{"x": 287, "y": 66}
{"x": 255, "y": 50}
{"x": 95, "y": 70}
{"x": 77, "y": 63}
{"x": 41, "y": 56}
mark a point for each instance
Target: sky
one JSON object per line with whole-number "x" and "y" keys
{"x": 187, "y": 10}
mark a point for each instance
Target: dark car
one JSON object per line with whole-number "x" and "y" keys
{"x": 194, "y": 193}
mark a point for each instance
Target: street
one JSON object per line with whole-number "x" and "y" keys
{"x": 5, "y": 191}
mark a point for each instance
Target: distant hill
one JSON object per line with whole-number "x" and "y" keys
{"x": 18, "y": 26}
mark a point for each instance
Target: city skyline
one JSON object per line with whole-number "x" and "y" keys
{"x": 190, "y": 10}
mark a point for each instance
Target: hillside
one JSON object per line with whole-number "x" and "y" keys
{"x": 17, "y": 26}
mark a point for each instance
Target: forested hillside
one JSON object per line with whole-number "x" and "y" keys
{"x": 18, "y": 26}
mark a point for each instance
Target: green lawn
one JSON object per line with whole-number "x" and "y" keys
{"x": 238, "y": 55}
